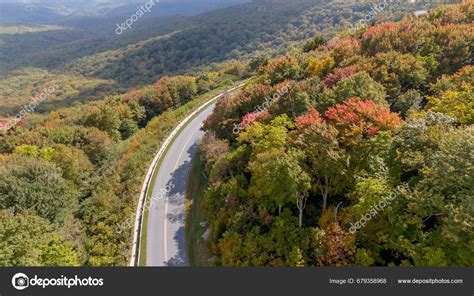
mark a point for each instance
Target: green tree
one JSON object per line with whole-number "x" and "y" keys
{"x": 327, "y": 160}
{"x": 45, "y": 153}
{"x": 407, "y": 102}
{"x": 57, "y": 253}
{"x": 358, "y": 85}
{"x": 74, "y": 164}
{"x": 106, "y": 119}
{"x": 295, "y": 258}
{"x": 398, "y": 73}
{"x": 455, "y": 103}
{"x": 21, "y": 238}
{"x": 279, "y": 70}
{"x": 314, "y": 43}
{"x": 435, "y": 158}
{"x": 268, "y": 144}
{"x": 29, "y": 240}
{"x": 28, "y": 183}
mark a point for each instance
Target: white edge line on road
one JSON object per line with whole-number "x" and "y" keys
{"x": 135, "y": 256}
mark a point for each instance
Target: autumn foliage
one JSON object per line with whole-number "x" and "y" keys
{"x": 382, "y": 113}
{"x": 358, "y": 118}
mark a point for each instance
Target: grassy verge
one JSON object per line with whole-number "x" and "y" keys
{"x": 195, "y": 245}
{"x": 179, "y": 114}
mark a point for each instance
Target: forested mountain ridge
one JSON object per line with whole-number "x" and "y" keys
{"x": 214, "y": 36}
{"x": 171, "y": 45}
{"x": 60, "y": 11}
{"x": 71, "y": 89}
{"x": 87, "y": 48}
{"x": 233, "y": 33}
{"x": 356, "y": 152}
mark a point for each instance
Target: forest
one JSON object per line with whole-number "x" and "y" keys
{"x": 229, "y": 33}
{"x": 233, "y": 33}
{"x": 352, "y": 151}
{"x": 18, "y": 88}
{"x": 70, "y": 177}
{"x": 89, "y": 61}
{"x": 344, "y": 149}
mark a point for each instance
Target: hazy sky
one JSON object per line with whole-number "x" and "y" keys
{"x": 39, "y": 11}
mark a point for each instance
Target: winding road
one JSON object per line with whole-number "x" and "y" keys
{"x": 165, "y": 243}
{"x": 166, "y": 218}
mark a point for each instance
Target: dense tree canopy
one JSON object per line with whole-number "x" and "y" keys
{"x": 69, "y": 178}
{"x": 376, "y": 124}
{"x": 321, "y": 137}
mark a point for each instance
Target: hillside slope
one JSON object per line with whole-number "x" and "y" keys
{"x": 88, "y": 48}
{"x": 215, "y": 36}
{"x": 359, "y": 152}
{"x": 69, "y": 179}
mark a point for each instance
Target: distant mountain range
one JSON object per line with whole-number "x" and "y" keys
{"x": 54, "y": 11}
{"x": 169, "y": 45}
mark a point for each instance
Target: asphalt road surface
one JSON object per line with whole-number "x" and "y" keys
{"x": 165, "y": 243}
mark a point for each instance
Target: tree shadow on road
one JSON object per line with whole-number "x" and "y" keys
{"x": 176, "y": 203}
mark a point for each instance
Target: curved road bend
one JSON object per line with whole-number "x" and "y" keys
{"x": 165, "y": 243}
